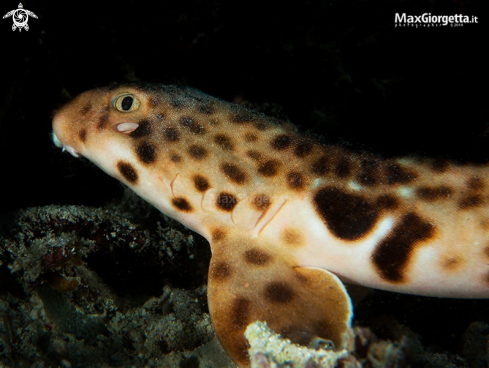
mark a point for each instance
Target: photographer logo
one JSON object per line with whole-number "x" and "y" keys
{"x": 20, "y": 17}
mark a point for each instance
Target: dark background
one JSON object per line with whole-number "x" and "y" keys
{"x": 337, "y": 68}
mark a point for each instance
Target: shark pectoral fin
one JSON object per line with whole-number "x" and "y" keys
{"x": 249, "y": 281}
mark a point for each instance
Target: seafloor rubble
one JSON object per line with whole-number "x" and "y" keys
{"x": 269, "y": 350}
{"x": 124, "y": 286}
{"x": 85, "y": 287}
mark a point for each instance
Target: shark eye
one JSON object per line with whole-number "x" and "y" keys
{"x": 126, "y": 103}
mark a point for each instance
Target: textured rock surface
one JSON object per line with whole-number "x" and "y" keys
{"x": 269, "y": 350}
{"x": 89, "y": 287}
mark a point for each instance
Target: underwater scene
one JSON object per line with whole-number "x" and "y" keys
{"x": 207, "y": 183}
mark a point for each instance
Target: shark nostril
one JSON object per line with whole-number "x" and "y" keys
{"x": 126, "y": 128}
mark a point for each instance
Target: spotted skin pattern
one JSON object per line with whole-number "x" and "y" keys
{"x": 288, "y": 219}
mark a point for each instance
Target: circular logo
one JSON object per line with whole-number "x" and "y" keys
{"x": 20, "y": 17}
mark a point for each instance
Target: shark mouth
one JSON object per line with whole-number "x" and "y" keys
{"x": 66, "y": 148}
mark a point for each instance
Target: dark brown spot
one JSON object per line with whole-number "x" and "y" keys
{"x": 197, "y": 152}
{"x": 171, "y": 134}
{"x": 321, "y": 166}
{"x": 262, "y": 125}
{"x": 471, "y": 201}
{"x": 226, "y": 201}
{"x": 220, "y": 271}
{"x": 269, "y": 168}
{"x": 243, "y": 117}
{"x": 434, "y": 193}
{"x": 85, "y": 109}
{"x": 387, "y": 202}
{"x": 146, "y": 152}
{"x": 398, "y": 175}
{"x": 393, "y": 254}
{"x": 241, "y": 312}
{"x": 369, "y": 173}
{"x": 224, "y": 142}
{"x": 342, "y": 168}
{"x": 250, "y": 137}
{"x": 292, "y": 237}
{"x": 302, "y": 149}
{"x": 175, "y": 158}
{"x": 83, "y": 135}
{"x": 177, "y": 103}
{"x": 451, "y": 264}
{"x": 295, "y": 180}
{"x": 253, "y": 155}
{"x": 218, "y": 235}
{"x": 475, "y": 183}
{"x": 182, "y": 204}
{"x": 486, "y": 251}
{"x": 261, "y": 202}
{"x": 103, "y": 120}
{"x": 234, "y": 173}
{"x": 160, "y": 116}
{"x": 279, "y": 292}
{"x": 348, "y": 216}
{"x": 143, "y": 130}
{"x": 281, "y": 142}
{"x": 153, "y": 102}
{"x": 201, "y": 183}
{"x": 440, "y": 165}
{"x": 256, "y": 257}
{"x": 127, "y": 171}
{"x": 206, "y": 109}
{"x": 192, "y": 125}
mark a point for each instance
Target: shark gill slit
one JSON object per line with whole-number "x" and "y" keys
{"x": 232, "y": 212}
{"x": 202, "y": 200}
{"x": 265, "y": 211}
{"x": 171, "y": 185}
{"x": 260, "y": 229}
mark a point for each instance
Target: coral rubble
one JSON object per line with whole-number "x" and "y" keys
{"x": 84, "y": 287}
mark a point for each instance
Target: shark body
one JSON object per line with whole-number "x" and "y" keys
{"x": 289, "y": 220}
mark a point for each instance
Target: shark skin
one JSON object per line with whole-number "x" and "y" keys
{"x": 289, "y": 220}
